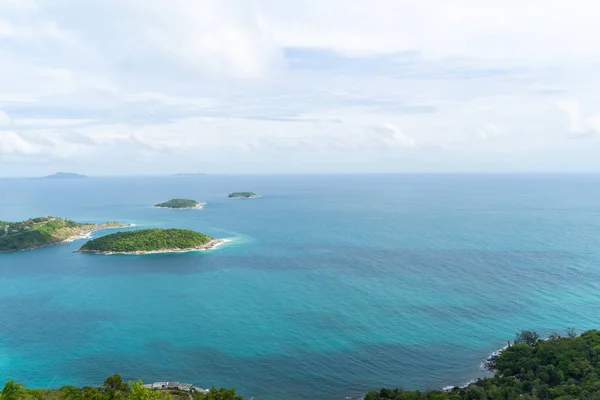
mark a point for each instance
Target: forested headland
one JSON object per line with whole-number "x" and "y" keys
{"x": 44, "y": 231}
{"x": 564, "y": 368}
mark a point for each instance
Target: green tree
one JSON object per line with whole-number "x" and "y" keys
{"x": 218, "y": 394}
{"x": 139, "y": 392}
{"x": 115, "y": 388}
{"x": 527, "y": 337}
{"x": 12, "y": 391}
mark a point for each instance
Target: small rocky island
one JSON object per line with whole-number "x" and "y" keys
{"x": 45, "y": 231}
{"x": 151, "y": 241}
{"x": 181, "y": 204}
{"x": 242, "y": 195}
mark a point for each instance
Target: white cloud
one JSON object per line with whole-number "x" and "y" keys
{"x": 269, "y": 81}
{"x": 389, "y": 136}
{"x": 222, "y": 37}
{"x": 49, "y": 122}
{"x": 5, "y": 120}
{"x": 489, "y": 131}
{"x": 12, "y": 143}
{"x": 511, "y": 29}
{"x": 580, "y": 124}
{"x": 170, "y": 100}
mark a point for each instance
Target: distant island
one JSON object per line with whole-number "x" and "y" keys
{"x": 65, "y": 175}
{"x": 181, "y": 204}
{"x": 151, "y": 241}
{"x": 242, "y": 195}
{"x": 45, "y": 231}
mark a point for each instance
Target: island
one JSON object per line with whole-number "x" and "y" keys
{"x": 181, "y": 204}
{"x": 45, "y": 231}
{"x": 151, "y": 241}
{"x": 65, "y": 175}
{"x": 242, "y": 195}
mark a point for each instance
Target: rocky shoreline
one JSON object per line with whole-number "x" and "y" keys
{"x": 486, "y": 366}
{"x": 207, "y": 246}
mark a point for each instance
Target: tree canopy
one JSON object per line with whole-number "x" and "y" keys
{"x": 564, "y": 368}
{"x": 114, "y": 388}
{"x": 178, "y": 203}
{"x": 241, "y": 195}
{"x": 147, "y": 240}
{"x": 42, "y": 231}
{"x": 218, "y": 394}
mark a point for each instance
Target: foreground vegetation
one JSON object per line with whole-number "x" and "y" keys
{"x": 179, "y": 203}
{"x": 564, "y": 368}
{"x": 148, "y": 240}
{"x": 561, "y": 368}
{"x": 242, "y": 195}
{"x": 43, "y": 231}
{"x": 114, "y": 388}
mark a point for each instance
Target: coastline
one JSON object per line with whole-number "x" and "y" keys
{"x": 87, "y": 233}
{"x": 211, "y": 245}
{"x": 244, "y": 198}
{"x": 84, "y": 234}
{"x": 198, "y": 206}
{"x": 485, "y": 367}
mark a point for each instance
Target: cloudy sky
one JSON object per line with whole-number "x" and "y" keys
{"x": 271, "y": 86}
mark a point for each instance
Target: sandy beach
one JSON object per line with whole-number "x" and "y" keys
{"x": 87, "y": 234}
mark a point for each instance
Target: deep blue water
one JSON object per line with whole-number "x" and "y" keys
{"x": 331, "y": 286}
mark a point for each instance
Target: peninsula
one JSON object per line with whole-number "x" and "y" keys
{"x": 151, "y": 241}
{"x": 242, "y": 195}
{"x": 181, "y": 204}
{"x": 45, "y": 231}
{"x": 560, "y": 367}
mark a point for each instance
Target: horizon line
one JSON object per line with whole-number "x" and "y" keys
{"x": 134, "y": 175}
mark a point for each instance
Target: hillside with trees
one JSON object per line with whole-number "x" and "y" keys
{"x": 564, "y": 368}
{"x": 180, "y": 204}
{"x": 242, "y": 195}
{"x": 44, "y": 231}
{"x": 149, "y": 240}
{"x": 113, "y": 388}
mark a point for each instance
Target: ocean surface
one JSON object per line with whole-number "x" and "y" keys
{"x": 331, "y": 285}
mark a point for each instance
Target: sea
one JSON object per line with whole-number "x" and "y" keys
{"x": 330, "y": 285}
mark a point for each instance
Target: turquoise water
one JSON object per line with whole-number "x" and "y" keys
{"x": 331, "y": 285}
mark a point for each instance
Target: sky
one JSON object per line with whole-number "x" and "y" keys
{"x": 117, "y": 87}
